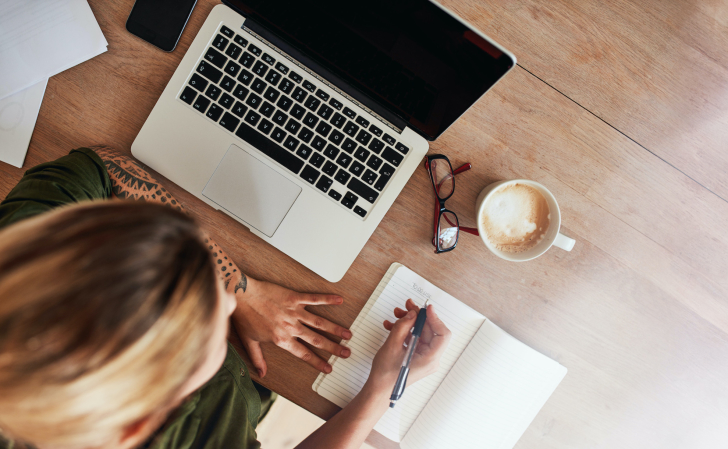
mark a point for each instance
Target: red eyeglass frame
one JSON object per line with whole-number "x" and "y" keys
{"x": 440, "y": 203}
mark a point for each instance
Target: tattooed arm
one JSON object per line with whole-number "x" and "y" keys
{"x": 265, "y": 312}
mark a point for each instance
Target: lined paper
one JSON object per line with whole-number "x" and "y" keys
{"x": 349, "y": 375}
{"x": 489, "y": 397}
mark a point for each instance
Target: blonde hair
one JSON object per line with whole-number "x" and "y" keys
{"x": 106, "y": 309}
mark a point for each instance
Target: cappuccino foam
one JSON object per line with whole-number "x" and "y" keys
{"x": 515, "y": 218}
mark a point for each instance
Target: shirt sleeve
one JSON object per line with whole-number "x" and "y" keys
{"x": 79, "y": 176}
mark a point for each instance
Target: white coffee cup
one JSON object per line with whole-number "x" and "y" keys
{"x": 551, "y": 237}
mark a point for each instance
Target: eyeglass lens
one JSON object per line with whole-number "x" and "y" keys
{"x": 447, "y": 232}
{"x": 443, "y": 177}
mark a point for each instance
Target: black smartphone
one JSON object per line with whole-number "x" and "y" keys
{"x": 160, "y": 22}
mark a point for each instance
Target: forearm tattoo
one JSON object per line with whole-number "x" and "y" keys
{"x": 129, "y": 180}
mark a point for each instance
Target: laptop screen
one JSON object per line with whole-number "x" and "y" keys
{"x": 409, "y": 56}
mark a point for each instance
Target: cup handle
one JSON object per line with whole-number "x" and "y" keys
{"x": 564, "y": 242}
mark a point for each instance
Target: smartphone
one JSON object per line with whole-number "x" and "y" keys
{"x": 160, "y": 22}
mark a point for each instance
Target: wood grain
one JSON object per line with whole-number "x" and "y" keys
{"x": 637, "y": 312}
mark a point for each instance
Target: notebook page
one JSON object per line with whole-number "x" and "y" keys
{"x": 349, "y": 375}
{"x": 489, "y": 397}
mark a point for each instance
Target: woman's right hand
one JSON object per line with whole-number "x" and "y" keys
{"x": 426, "y": 360}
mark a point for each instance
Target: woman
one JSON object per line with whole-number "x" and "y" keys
{"x": 114, "y": 317}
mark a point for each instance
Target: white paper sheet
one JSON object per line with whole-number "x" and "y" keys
{"x": 39, "y": 38}
{"x": 18, "y": 114}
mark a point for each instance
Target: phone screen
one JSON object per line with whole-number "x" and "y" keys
{"x": 160, "y": 22}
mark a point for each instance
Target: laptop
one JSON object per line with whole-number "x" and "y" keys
{"x": 304, "y": 119}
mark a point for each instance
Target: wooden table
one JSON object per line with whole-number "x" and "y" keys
{"x": 621, "y": 110}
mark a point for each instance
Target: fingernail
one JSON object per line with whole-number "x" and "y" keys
{"x": 260, "y": 373}
{"x": 327, "y": 369}
{"x": 339, "y": 300}
{"x": 345, "y": 352}
{"x": 410, "y": 314}
{"x": 347, "y": 335}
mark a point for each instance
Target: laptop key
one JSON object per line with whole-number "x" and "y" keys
{"x": 188, "y": 95}
{"x": 265, "y": 126}
{"x": 229, "y": 122}
{"x": 374, "y": 162}
{"x": 255, "y": 50}
{"x": 233, "y": 51}
{"x": 349, "y": 113}
{"x": 270, "y": 148}
{"x": 241, "y": 41}
{"x": 295, "y": 77}
{"x": 336, "y": 104}
{"x": 329, "y": 168}
{"x": 349, "y": 200}
{"x": 267, "y": 109}
{"x": 232, "y": 68}
{"x": 245, "y": 77}
{"x": 342, "y": 176}
{"x": 271, "y": 94}
{"x": 304, "y": 151}
{"x": 349, "y": 145}
{"x": 279, "y": 118}
{"x": 343, "y": 160}
{"x": 291, "y": 143}
{"x": 201, "y": 103}
{"x": 376, "y": 131}
{"x": 305, "y": 134}
{"x": 312, "y": 103}
{"x": 386, "y": 170}
{"x": 260, "y": 68}
{"x": 369, "y": 177}
{"x": 334, "y": 194}
{"x": 247, "y": 59}
{"x": 376, "y": 145}
{"x": 389, "y": 139}
{"x": 239, "y": 109}
{"x": 253, "y": 101}
{"x": 336, "y": 137}
{"x": 241, "y": 92}
{"x": 284, "y": 103}
{"x": 297, "y": 111}
{"x": 286, "y": 86}
{"x": 258, "y": 85}
{"x": 325, "y": 112}
{"x": 310, "y": 120}
{"x": 359, "y": 211}
{"x": 220, "y": 42}
{"x": 363, "y": 137}
{"x": 213, "y": 91}
{"x": 323, "y": 128}
{"x": 324, "y": 183}
{"x": 283, "y": 69}
{"x": 227, "y": 31}
{"x": 208, "y": 71}
{"x": 273, "y": 77}
{"x": 402, "y": 148}
{"x": 392, "y": 156}
{"x": 338, "y": 120}
{"x": 215, "y": 57}
{"x": 309, "y": 86}
{"x": 198, "y": 82}
{"x": 362, "y": 121}
{"x": 227, "y": 83}
{"x": 385, "y": 176}
{"x": 252, "y": 118}
{"x": 267, "y": 58}
{"x": 322, "y": 95}
{"x": 214, "y": 112}
{"x": 317, "y": 160}
{"x": 351, "y": 129}
{"x": 331, "y": 151}
{"x": 293, "y": 127}
{"x": 310, "y": 174}
{"x": 318, "y": 143}
{"x": 363, "y": 190}
{"x": 362, "y": 154}
{"x": 299, "y": 95}
{"x": 356, "y": 168}
{"x": 226, "y": 101}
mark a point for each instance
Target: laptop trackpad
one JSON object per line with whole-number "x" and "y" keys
{"x": 251, "y": 191}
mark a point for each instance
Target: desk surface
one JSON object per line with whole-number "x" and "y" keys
{"x": 620, "y": 110}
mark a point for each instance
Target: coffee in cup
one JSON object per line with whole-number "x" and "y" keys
{"x": 515, "y": 218}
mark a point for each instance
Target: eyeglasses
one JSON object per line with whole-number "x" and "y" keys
{"x": 446, "y": 227}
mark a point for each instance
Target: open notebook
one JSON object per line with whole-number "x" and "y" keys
{"x": 487, "y": 391}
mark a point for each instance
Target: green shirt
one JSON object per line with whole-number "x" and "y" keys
{"x": 224, "y": 412}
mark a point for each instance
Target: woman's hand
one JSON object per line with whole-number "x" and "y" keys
{"x": 426, "y": 360}
{"x": 270, "y": 313}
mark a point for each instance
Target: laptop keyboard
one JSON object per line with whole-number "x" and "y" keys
{"x": 284, "y": 115}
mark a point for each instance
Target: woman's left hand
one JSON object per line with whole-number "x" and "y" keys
{"x": 270, "y": 313}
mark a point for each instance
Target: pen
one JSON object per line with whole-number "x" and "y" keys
{"x": 404, "y": 371}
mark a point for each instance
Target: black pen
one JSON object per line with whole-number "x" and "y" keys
{"x": 404, "y": 371}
